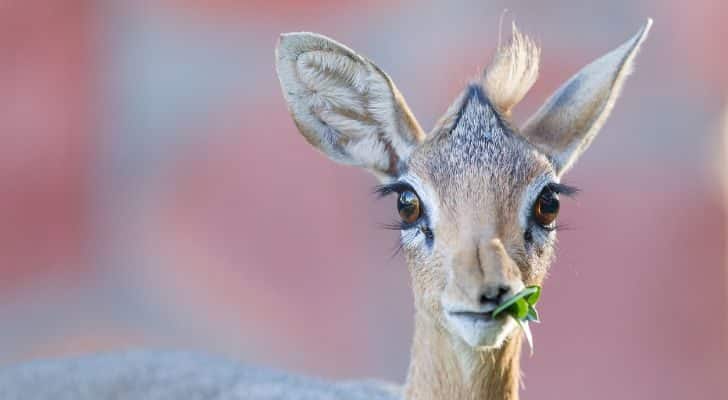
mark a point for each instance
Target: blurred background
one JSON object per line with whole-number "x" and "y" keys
{"x": 154, "y": 192}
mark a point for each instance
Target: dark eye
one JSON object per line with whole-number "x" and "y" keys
{"x": 546, "y": 207}
{"x": 408, "y": 206}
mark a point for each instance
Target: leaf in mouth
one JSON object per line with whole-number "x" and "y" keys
{"x": 522, "y": 308}
{"x": 534, "y": 296}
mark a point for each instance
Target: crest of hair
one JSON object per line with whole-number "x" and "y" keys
{"x": 512, "y": 72}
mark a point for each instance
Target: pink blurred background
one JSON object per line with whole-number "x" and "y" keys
{"x": 155, "y": 193}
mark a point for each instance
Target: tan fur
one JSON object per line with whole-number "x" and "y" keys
{"x": 477, "y": 179}
{"x": 437, "y": 371}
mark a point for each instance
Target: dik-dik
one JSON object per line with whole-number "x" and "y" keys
{"x": 478, "y": 200}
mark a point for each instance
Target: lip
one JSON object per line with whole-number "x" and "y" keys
{"x": 473, "y": 315}
{"x": 476, "y": 327}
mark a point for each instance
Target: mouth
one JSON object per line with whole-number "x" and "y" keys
{"x": 472, "y": 315}
{"x": 473, "y": 319}
{"x": 478, "y": 328}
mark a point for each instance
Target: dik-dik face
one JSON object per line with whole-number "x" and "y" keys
{"x": 477, "y": 198}
{"x": 479, "y": 206}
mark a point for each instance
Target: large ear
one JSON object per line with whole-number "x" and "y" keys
{"x": 570, "y": 119}
{"x": 344, "y": 105}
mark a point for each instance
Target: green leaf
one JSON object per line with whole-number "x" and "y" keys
{"x": 518, "y": 305}
{"x": 520, "y": 309}
{"x": 505, "y": 306}
{"x": 532, "y": 298}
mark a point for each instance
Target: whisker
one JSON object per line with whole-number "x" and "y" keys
{"x": 397, "y": 250}
{"x": 396, "y": 226}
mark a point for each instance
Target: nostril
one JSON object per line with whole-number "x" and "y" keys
{"x": 502, "y": 292}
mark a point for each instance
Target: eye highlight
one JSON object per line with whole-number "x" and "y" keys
{"x": 408, "y": 206}
{"x": 546, "y": 207}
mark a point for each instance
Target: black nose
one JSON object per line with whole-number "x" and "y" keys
{"x": 493, "y": 294}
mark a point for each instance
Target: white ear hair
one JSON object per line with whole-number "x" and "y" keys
{"x": 344, "y": 105}
{"x": 570, "y": 119}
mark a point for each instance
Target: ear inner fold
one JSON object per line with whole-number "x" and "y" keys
{"x": 344, "y": 105}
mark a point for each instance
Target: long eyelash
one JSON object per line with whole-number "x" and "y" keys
{"x": 389, "y": 188}
{"x": 560, "y": 188}
{"x": 400, "y": 226}
{"x": 562, "y": 227}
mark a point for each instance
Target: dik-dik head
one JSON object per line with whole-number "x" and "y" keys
{"x": 478, "y": 198}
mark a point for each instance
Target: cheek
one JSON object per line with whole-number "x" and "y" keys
{"x": 539, "y": 263}
{"x": 533, "y": 259}
{"x": 428, "y": 282}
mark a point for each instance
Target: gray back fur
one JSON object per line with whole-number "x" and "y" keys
{"x": 171, "y": 376}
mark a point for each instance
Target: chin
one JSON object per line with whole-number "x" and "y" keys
{"x": 479, "y": 334}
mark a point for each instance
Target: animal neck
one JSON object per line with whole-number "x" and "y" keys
{"x": 442, "y": 367}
